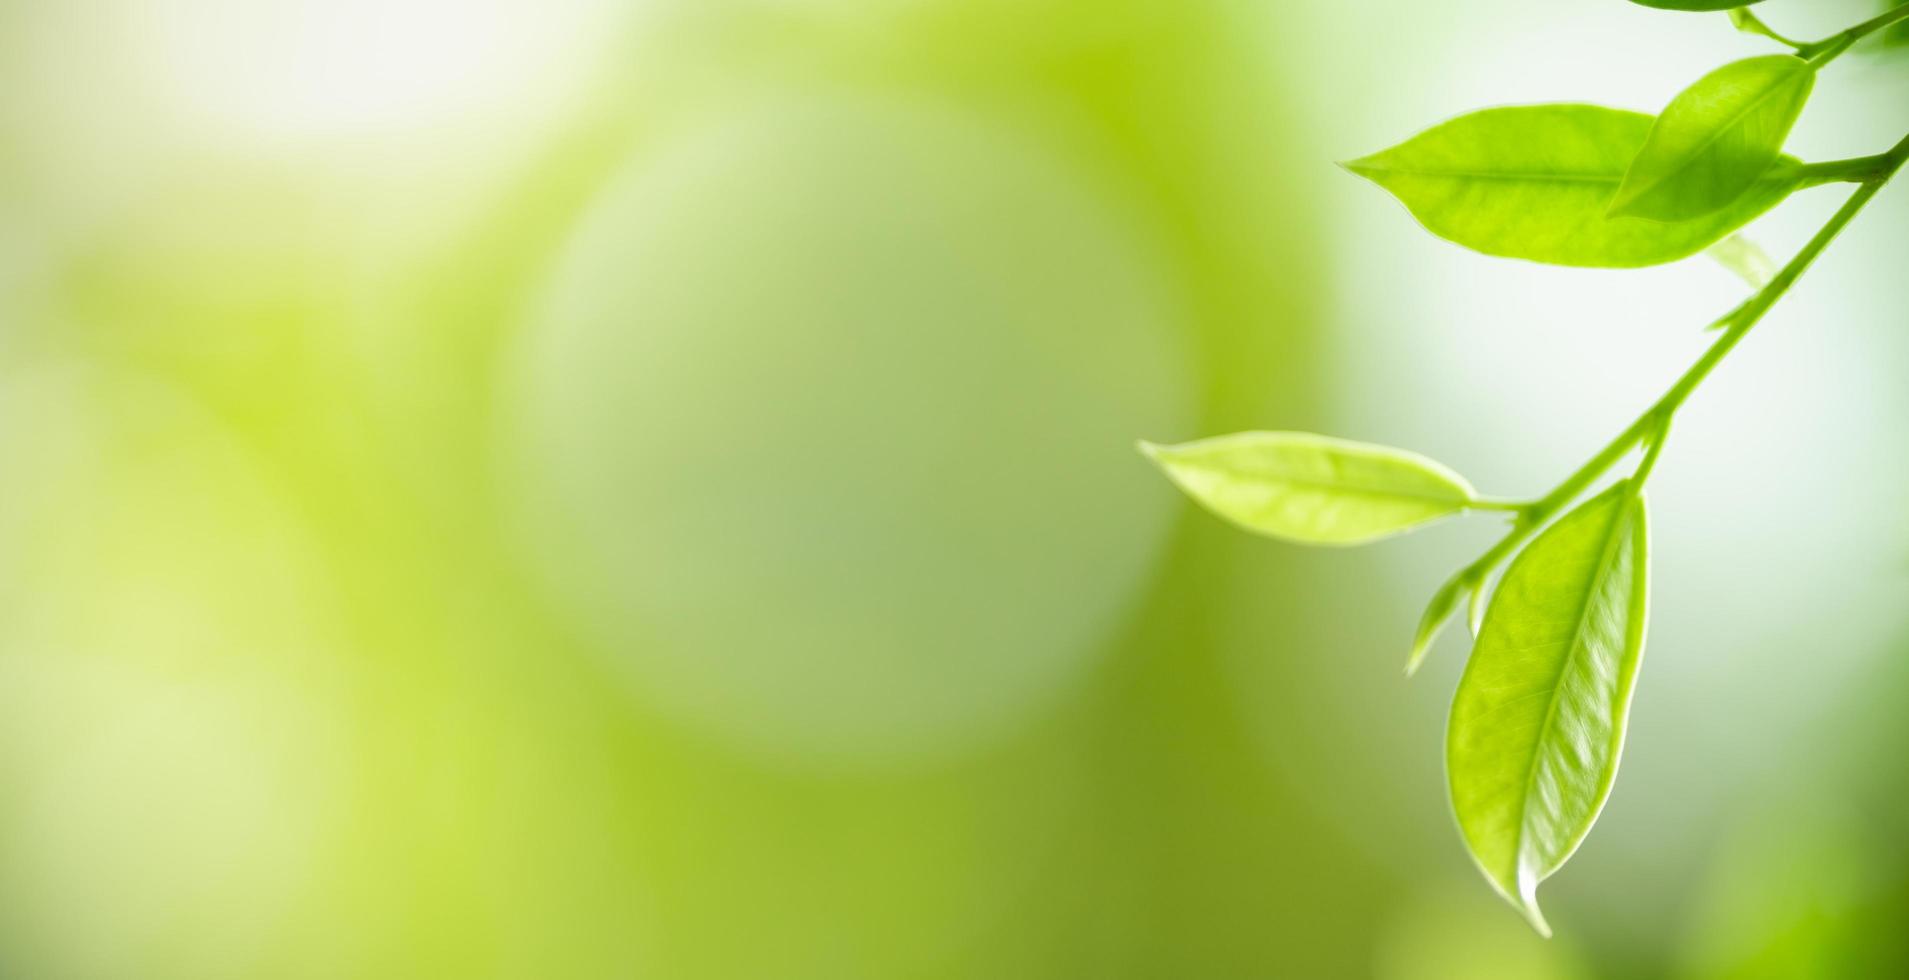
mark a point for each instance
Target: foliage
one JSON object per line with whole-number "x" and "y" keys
{"x": 1537, "y": 725}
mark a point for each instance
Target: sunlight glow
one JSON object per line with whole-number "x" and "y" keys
{"x": 312, "y": 69}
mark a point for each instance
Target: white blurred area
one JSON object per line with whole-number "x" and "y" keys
{"x": 299, "y": 70}
{"x": 391, "y": 119}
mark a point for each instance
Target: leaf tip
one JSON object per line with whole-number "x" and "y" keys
{"x": 1625, "y": 204}
{"x": 1523, "y": 896}
{"x": 1422, "y": 645}
{"x": 1437, "y": 613}
{"x": 1632, "y": 198}
{"x": 1361, "y": 167}
{"x": 1529, "y": 909}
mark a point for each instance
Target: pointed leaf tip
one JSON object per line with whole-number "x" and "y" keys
{"x": 1529, "y": 909}
{"x": 1526, "y": 902}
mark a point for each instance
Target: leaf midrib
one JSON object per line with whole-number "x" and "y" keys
{"x": 1505, "y": 176}
{"x": 1461, "y": 500}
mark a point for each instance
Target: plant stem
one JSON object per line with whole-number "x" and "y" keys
{"x": 1653, "y": 448}
{"x": 1654, "y": 423}
{"x": 1857, "y": 170}
{"x": 1820, "y": 53}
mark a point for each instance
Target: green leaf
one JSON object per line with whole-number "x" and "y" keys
{"x": 1745, "y": 258}
{"x": 1716, "y": 139}
{"x": 1746, "y": 20}
{"x": 1538, "y": 722}
{"x": 1695, "y": 4}
{"x": 1432, "y": 622}
{"x": 1536, "y": 182}
{"x": 1313, "y": 489}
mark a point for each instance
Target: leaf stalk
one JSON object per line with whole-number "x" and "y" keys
{"x": 1857, "y": 170}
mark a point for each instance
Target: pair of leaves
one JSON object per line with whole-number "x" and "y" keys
{"x": 1538, "y": 722}
{"x": 1583, "y": 185}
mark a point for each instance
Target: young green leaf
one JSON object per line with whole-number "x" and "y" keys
{"x": 1538, "y": 722}
{"x": 1536, "y": 182}
{"x": 1745, "y": 258}
{"x": 1695, "y": 4}
{"x": 1432, "y": 622}
{"x": 1313, "y": 489}
{"x": 1744, "y": 19}
{"x": 1716, "y": 139}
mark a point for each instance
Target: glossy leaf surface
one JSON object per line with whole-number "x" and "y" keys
{"x": 1538, "y": 722}
{"x": 1537, "y": 182}
{"x": 1313, "y": 489}
{"x": 1716, "y": 140}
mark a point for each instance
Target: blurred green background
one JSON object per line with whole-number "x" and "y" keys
{"x": 513, "y": 488}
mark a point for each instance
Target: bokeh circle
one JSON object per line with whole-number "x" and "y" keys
{"x": 823, "y": 428}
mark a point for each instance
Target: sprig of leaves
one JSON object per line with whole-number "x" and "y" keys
{"x": 1537, "y": 726}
